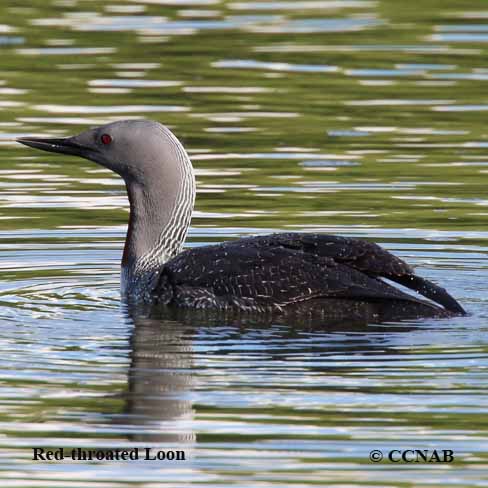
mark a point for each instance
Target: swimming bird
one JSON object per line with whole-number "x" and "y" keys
{"x": 257, "y": 274}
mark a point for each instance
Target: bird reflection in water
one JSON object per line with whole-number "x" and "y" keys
{"x": 158, "y": 403}
{"x": 162, "y": 375}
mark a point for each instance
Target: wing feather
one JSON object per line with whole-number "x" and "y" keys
{"x": 281, "y": 269}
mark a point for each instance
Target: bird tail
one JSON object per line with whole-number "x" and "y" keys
{"x": 431, "y": 291}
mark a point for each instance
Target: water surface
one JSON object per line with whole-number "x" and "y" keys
{"x": 362, "y": 118}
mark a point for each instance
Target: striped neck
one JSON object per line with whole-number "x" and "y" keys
{"x": 160, "y": 214}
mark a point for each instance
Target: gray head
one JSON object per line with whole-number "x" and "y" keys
{"x": 135, "y": 149}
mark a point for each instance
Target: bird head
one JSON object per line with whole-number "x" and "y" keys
{"x": 136, "y": 150}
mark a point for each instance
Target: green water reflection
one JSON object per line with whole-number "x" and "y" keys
{"x": 364, "y": 118}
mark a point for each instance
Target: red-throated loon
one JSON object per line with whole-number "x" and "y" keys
{"x": 258, "y": 274}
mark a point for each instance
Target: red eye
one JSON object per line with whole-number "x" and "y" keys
{"x": 106, "y": 139}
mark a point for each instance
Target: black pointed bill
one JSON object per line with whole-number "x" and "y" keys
{"x": 63, "y": 146}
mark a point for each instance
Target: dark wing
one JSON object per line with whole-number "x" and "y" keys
{"x": 367, "y": 257}
{"x": 364, "y": 256}
{"x": 280, "y": 269}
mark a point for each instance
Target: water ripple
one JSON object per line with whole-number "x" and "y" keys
{"x": 252, "y": 64}
{"x": 109, "y": 109}
{"x": 303, "y": 5}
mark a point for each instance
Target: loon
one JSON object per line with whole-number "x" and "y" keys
{"x": 254, "y": 274}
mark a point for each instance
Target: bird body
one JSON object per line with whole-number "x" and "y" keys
{"x": 254, "y": 274}
{"x": 272, "y": 272}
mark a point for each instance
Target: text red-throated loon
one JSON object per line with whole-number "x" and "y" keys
{"x": 262, "y": 273}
